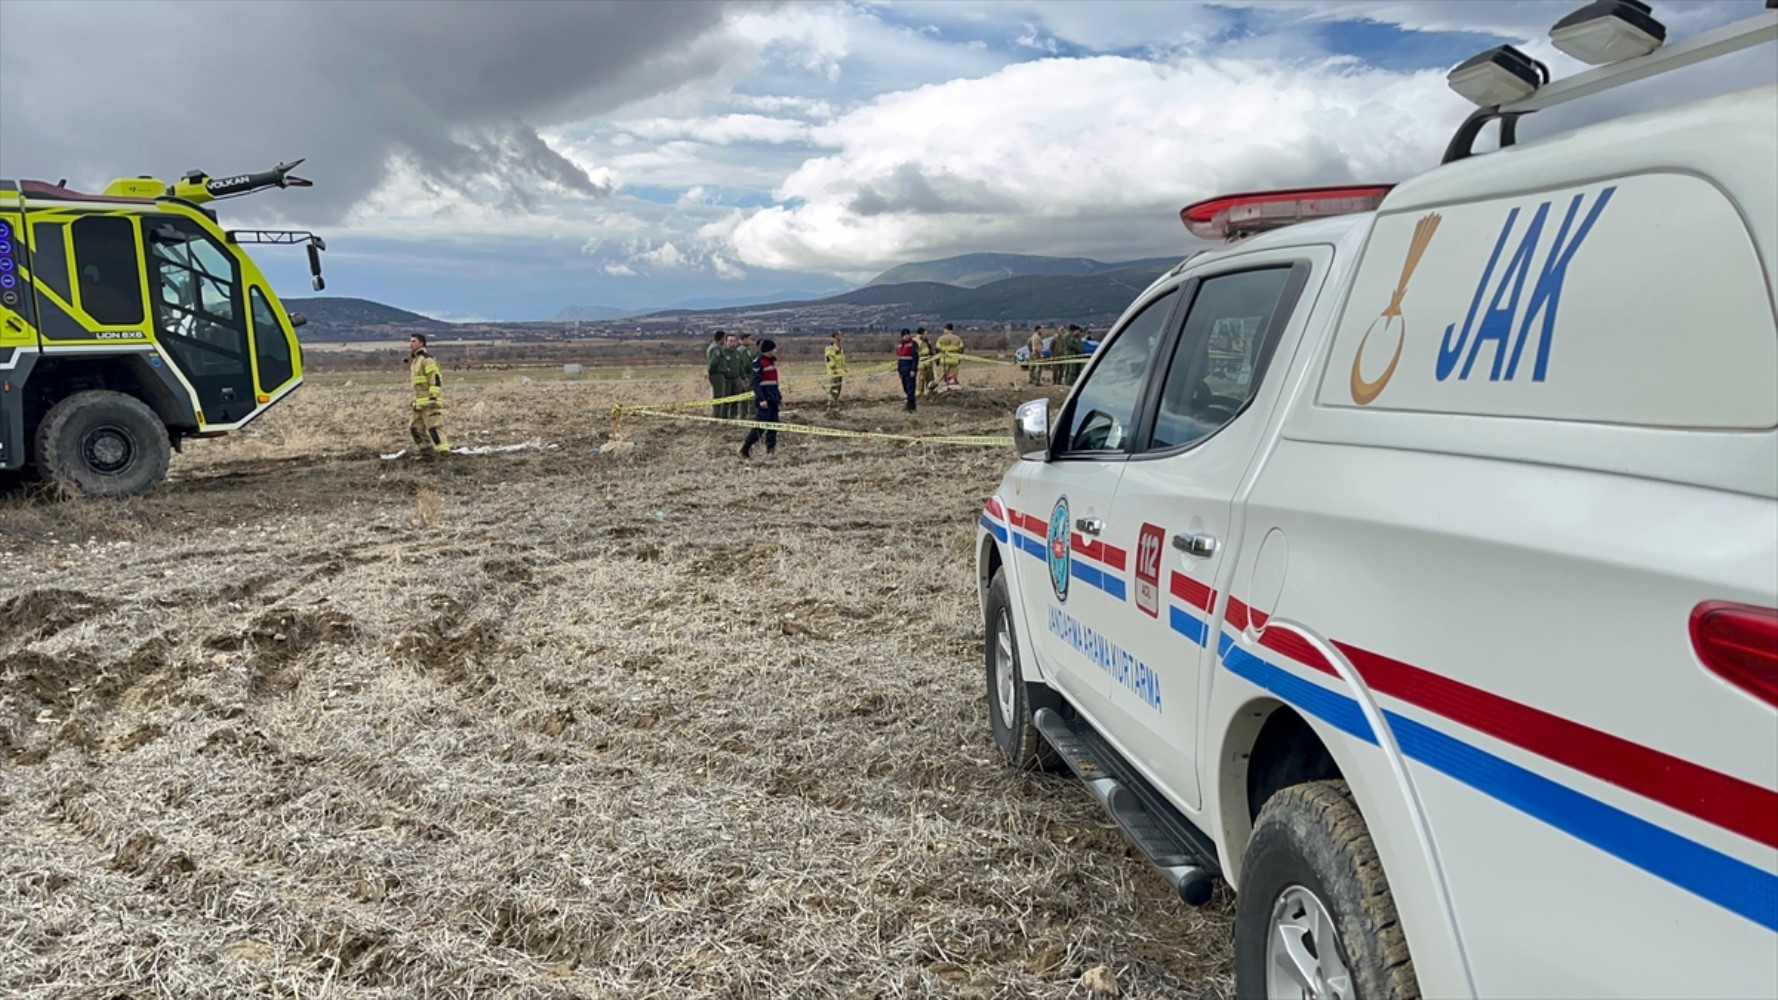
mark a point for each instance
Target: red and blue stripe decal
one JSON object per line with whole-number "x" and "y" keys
{"x": 1028, "y": 534}
{"x": 992, "y": 515}
{"x": 1720, "y": 799}
{"x": 1097, "y": 564}
{"x": 1746, "y": 809}
{"x": 1094, "y": 562}
{"x": 1189, "y": 607}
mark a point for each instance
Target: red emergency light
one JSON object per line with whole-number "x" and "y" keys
{"x": 1236, "y": 215}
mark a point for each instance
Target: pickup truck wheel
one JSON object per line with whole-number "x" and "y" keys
{"x": 1314, "y": 917}
{"x": 103, "y": 444}
{"x": 1009, "y": 705}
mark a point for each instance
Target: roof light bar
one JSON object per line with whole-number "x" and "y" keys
{"x": 1608, "y": 31}
{"x": 1236, "y": 215}
{"x": 1500, "y": 75}
{"x": 1760, "y": 29}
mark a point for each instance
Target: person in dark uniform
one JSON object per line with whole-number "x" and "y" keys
{"x": 907, "y": 363}
{"x": 766, "y": 399}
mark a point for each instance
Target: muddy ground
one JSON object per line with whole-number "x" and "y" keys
{"x": 654, "y": 722}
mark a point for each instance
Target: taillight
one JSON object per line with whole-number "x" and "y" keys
{"x": 1739, "y": 643}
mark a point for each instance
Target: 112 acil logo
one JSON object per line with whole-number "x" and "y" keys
{"x": 1496, "y": 326}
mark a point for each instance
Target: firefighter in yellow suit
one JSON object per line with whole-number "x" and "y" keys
{"x": 835, "y": 355}
{"x": 928, "y": 361}
{"x": 427, "y": 428}
{"x": 950, "y": 356}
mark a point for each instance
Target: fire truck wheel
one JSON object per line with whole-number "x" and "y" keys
{"x": 1314, "y": 917}
{"x": 103, "y": 444}
{"x": 1009, "y": 704}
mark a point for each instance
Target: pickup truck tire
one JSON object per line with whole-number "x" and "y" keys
{"x": 103, "y": 444}
{"x": 1314, "y": 916}
{"x": 1009, "y": 704}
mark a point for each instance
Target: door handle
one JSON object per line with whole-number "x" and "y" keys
{"x": 1201, "y": 546}
{"x": 1089, "y": 526}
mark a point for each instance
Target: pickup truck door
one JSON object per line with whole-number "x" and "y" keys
{"x": 1071, "y": 583}
{"x": 1205, "y": 424}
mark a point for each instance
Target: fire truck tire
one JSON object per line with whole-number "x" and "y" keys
{"x": 1314, "y": 916}
{"x": 103, "y": 444}
{"x": 1009, "y": 703}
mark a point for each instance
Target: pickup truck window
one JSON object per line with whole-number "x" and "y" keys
{"x": 1105, "y": 404}
{"x": 1220, "y": 356}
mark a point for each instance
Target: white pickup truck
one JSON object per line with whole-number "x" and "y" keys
{"x": 1414, "y": 566}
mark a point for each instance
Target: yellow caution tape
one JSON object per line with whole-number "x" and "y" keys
{"x": 718, "y": 401}
{"x": 1074, "y": 359}
{"x": 980, "y": 441}
{"x": 821, "y": 380}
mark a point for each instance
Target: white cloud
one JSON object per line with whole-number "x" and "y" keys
{"x": 805, "y": 107}
{"x": 1030, "y": 39}
{"x": 451, "y": 316}
{"x": 619, "y": 270}
{"x": 722, "y": 130}
{"x": 811, "y": 38}
{"x": 665, "y": 255}
{"x": 1090, "y": 24}
{"x": 1062, "y": 153}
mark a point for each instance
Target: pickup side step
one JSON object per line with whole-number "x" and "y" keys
{"x": 1185, "y": 856}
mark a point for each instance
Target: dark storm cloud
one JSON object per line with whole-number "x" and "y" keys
{"x": 908, "y": 190}
{"x": 92, "y": 91}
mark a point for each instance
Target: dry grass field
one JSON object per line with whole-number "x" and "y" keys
{"x": 651, "y": 722}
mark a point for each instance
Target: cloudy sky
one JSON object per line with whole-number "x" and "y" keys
{"x": 482, "y": 160}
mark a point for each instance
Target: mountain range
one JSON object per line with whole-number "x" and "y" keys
{"x": 1083, "y": 298}
{"x": 973, "y": 270}
{"x": 973, "y": 288}
{"x": 333, "y": 317}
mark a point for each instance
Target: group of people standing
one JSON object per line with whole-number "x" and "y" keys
{"x": 729, "y": 359}
{"x": 733, "y": 366}
{"x": 736, "y": 366}
{"x": 923, "y": 365}
{"x": 1066, "y": 342}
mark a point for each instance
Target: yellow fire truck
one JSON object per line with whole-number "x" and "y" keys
{"x": 130, "y": 321}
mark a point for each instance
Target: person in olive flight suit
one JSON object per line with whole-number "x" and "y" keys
{"x": 735, "y": 362}
{"x": 713, "y": 364}
{"x": 427, "y": 427}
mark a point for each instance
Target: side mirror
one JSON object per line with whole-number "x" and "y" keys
{"x": 318, "y": 283}
{"x": 315, "y": 265}
{"x": 298, "y": 320}
{"x": 1031, "y": 430}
